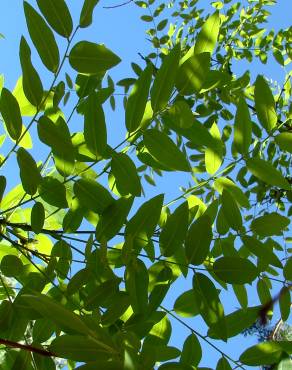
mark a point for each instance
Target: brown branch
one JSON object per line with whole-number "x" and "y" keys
{"x": 26, "y": 347}
{"x": 118, "y": 6}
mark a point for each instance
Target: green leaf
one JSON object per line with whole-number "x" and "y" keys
{"x": 267, "y": 173}
{"x": 242, "y": 127}
{"x": 65, "y": 319}
{"x": 165, "y": 80}
{"x": 223, "y": 364}
{"x": 80, "y": 348}
{"x": 142, "y": 224}
{"x": 186, "y": 305}
{"x": 288, "y": 269}
{"x": 57, "y": 15}
{"x": 265, "y": 104}
{"x": 270, "y": 224}
{"x": 198, "y": 240}
{"x": 222, "y": 183}
{"x": 163, "y": 149}
{"x": 113, "y": 218}
{"x": 31, "y": 82}
{"x": 136, "y": 282}
{"x": 207, "y": 37}
{"x": 192, "y": 73}
{"x": 231, "y": 211}
{"x": 92, "y": 195}
{"x": 42, "y": 38}
{"x": 11, "y": 266}
{"x": 125, "y": 173}
{"x": 137, "y": 100}
{"x": 175, "y": 366}
{"x": 267, "y": 353}
{"x": 192, "y": 352}
{"x": 53, "y": 192}
{"x": 37, "y": 217}
{"x": 235, "y": 270}
{"x": 174, "y": 231}
{"x": 2, "y": 186}
{"x": 117, "y": 307}
{"x": 263, "y": 292}
{"x": 181, "y": 115}
{"x": 95, "y": 134}
{"x": 10, "y": 112}
{"x": 210, "y": 306}
{"x": 162, "y": 285}
{"x": 86, "y": 13}
{"x": 29, "y": 172}
{"x": 214, "y": 153}
{"x": 90, "y": 58}
{"x": 284, "y": 140}
{"x": 284, "y": 364}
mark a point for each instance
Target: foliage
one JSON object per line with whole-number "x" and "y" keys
{"x": 88, "y": 259}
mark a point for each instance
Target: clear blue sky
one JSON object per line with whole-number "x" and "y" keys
{"x": 121, "y": 30}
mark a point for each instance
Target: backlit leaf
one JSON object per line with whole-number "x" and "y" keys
{"x": 266, "y": 353}
{"x": 186, "y": 304}
{"x": 37, "y": 217}
{"x": 284, "y": 140}
{"x": 231, "y": 211}
{"x": 11, "y": 114}
{"x": 42, "y": 38}
{"x": 165, "y": 79}
{"x": 269, "y": 224}
{"x": 207, "y": 37}
{"x": 29, "y": 172}
{"x": 86, "y": 13}
{"x": 242, "y": 127}
{"x": 53, "y": 192}
{"x": 90, "y": 58}
{"x": 214, "y": 154}
{"x": 192, "y": 351}
{"x": 235, "y": 270}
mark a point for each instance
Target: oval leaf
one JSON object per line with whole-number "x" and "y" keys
{"x": 207, "y": 37}
{"x": 86, "y": 13}
{"x": 284, "y": 140}
{"x": 37, "y": 217}
{"x": 186, "y": 304}
{"x": 11, "y": 114}
{"x": 235, "y": 270}
{"x": 242, "y": 127}
{"x": 29, "y": 172}
{"x": 269, "y": 224}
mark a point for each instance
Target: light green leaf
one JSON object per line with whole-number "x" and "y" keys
{"x": 235, "y": 270}
{"x": 42, "y": 38}
{"x": 163, "y": 149}
{"x": 165, "y": 79}
{"x": 284, "y": 364}
{"x": 125, "y": 173}
{"x": 231, "y": 211}
{"x": 207, "y": 37}
{"x": 29, "y": 172}
{"x": 265, "y": 104}
{"x": 222, "y": 183}
{"x": 284, "y": 140}
{"x": 267, "y": 353}
{"x": 95, "y": 133}
{"x": 186, "y": 304}
{"x": 214, "y": 154}
{"x": 198, "y": 240}
{"x": 267, "y": 173}
{"x": 269, "y": 224}
{"x": 242, "y": 127}
{"x": 192, "y": 73}
{"x": 192, "y": 352}
{"x": 57, "y": 15}
{"x": 92, "y": 195}
{"x": 90, "y": 58}
{"x": 174, "y": 231}
{"x": 136, "y": 282}
{"x": 31, "y": 82}
{"x": 53, "y": 192}
{"x": 10, "y": 112}
{"x": 137, "y": 100}
{"x": 86, "y": 13}
{"x": 37, "y": 217}
{"x": 113, "y": 218}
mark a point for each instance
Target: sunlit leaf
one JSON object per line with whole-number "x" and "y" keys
{"x": 207, "y": 37}
{"x": 284, "y": 140}
{"x": 242, "y": 127}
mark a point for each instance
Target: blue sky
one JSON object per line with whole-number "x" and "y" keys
{"x": 121, "y": 30}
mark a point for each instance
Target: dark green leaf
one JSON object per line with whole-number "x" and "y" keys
{"x": 53, "y": 192}
{"x": 288, "y": 269}
{"x": 125, "y": 173}
{"x": 231, "y": 211}
{"x": 11, "y": 266}
{"x": 192, "y": 351}
{"x": 137, "y": 100}
{"x": 223, "y": 364}
{"x": 90, "y": 58}
{"x": 269, "y": 224}
{"x": 31, "y": 82}
{"x": 2, "y": 186}
{"x": 11, "y": 114}
{"x": 267, "y": 353}
{"x": 186, "y": 305}
{"x": 29, "y": 172}
{"x": 57, "y": 15}
{"x": 92, "y": 195}
{"x": 42, "y": 38}
{"x": 86, "y": 13}
{"x": 198, "y": 240}
{"x": 165, "y": 79}
{"x": 163, "y": 149}
{"x": 37, "y": 217}
{"x": 266, "y": 172}
{"x": 235, "y": 270}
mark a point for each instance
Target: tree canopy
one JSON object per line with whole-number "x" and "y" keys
{"x": 90, "y": 264}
